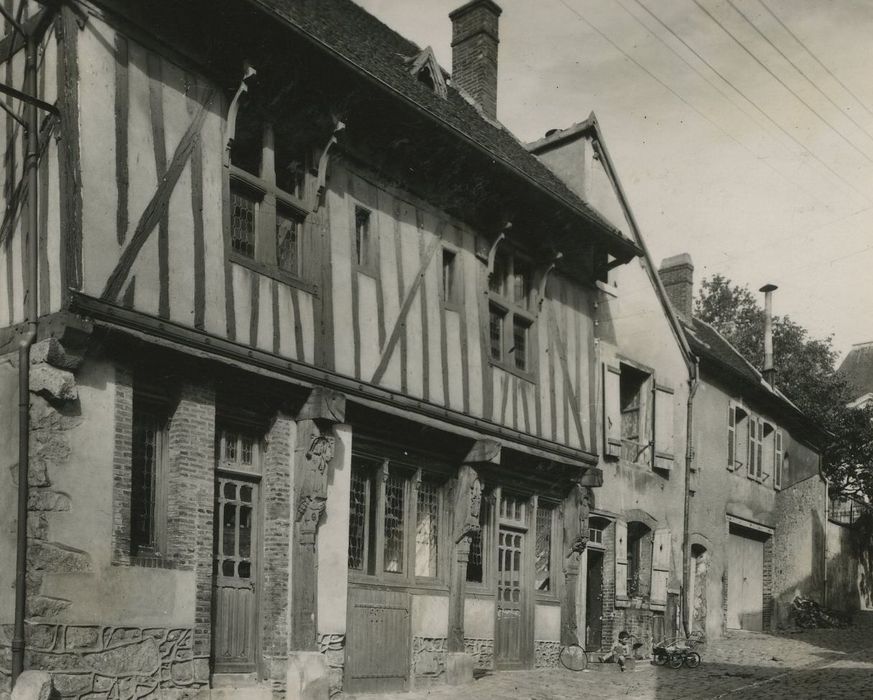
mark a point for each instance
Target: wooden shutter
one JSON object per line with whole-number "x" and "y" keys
{"x": 752, "y": 452}
{"x": 620, "y": 560}
{"x": 663, "y": 430}
{"x": 732, "y": 438}
{"x": 661, "y": 556}
{"x": 612, "y": 411}
{"x": 777, "y": 461}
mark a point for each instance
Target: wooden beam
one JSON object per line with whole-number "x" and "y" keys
{"x": 568, "y": 381}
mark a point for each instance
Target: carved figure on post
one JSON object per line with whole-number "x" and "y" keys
{"x": 468, "y": 504}
{"x": 577, "y": 508}
{"x": 312, "y": 493}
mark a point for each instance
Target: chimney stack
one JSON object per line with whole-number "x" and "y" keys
{"x": 769, "y": 370}
{"x": 474, "y": 52}
{"x": 677, "y": 276}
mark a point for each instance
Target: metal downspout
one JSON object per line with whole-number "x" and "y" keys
{"x": 686, "y": 524}
{"x": 26, "y": 342}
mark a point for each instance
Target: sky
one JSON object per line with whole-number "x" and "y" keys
{"x": 742, "y": 130}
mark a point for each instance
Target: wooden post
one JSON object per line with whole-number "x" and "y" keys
{"x": 312, "y": 457}
{"x": 576, "y": 509}
{"x": 465, "y": 522}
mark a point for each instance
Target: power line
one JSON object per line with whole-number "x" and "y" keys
{"x": 721, "y": 75}
{"x": 814, "y": 57}
{"x": 782, "y": 82}
{"x": 798, "y": 69}
{"x": 725, "y": 95}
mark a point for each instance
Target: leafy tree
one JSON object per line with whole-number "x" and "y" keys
{"x": 806, "y": 374}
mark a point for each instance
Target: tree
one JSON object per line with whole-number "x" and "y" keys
{"x": 806, "y": 374}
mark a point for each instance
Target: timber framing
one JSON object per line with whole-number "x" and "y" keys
{"x": 192, "y": 341}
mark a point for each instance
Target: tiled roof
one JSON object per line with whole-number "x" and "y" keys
{"x": 708, "y": 344}
{"x": 348, "y": 30}
{"x": 857, "y": 368}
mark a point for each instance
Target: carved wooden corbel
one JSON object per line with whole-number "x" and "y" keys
{"x": 232, "y": 112}
{"x": 541, "y": 290}
{"x": 492, "y": 252}
{"x": 321, "y": 183}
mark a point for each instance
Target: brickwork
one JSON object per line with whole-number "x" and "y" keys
{"x": 608, "y": 629}
{"x": 121, "y": 461}
{"x": 474, "y": 53}
{"x": 677, "y": 276}
{"x": 190, "y": 498}
{"x": 767, "y": 575}
{"x": 276, "y": 498}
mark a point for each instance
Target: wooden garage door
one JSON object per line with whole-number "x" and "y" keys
{"x": 377, "y": 640}
{"x": 745, "y": 583}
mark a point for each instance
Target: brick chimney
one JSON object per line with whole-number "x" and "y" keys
{"x": 677, "y": 276}
{"x": 474, "y": 52}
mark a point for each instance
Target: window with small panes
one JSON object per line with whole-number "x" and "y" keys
{"x": 511, "y": 316}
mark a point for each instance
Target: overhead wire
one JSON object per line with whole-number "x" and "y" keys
{"x": 815, "y": 58}
{"x": 782, "y": 82}
{"x": 726, "y": 96}
{"x": 781, "y": 128}
{"x": 798, "y": 69}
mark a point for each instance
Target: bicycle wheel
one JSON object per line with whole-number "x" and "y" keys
{"x": 692, "y": 660}
{"x": 661, "y": 657}
{"x": 574, "y": 658}
{"x": 675, "y": 660}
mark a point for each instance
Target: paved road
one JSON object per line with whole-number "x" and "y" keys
{"x": 832, "y": 664}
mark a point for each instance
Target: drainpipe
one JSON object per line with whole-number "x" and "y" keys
{"x": 686, "y": 524}
{"x": 24, "y": 346}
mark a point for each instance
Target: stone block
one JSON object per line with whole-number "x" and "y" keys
{"x": 57, "y": 558}
{"x": 136, "y": 659}
{"x": 82, "y": 638}
{"x": 45, "y": 500}
{"x": 51, "y": 352}
{"x": 103, "y": 684}
{"x": 307, "y": 676}
{"x": 41, "y": 637}
{"x": 59, "y": 384}
{"x": 46, "y": 606}
{"x": 459, "y": 668}
{"x": 72, "y": 683}
{"x": 32, "y": 685}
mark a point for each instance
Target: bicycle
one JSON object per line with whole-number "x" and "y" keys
{"x": 678, "y": 651}
{"x": 573, "y": 657}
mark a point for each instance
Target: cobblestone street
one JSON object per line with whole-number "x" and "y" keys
{"x": 833, "y": 664}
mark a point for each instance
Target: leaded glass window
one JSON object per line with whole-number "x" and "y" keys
{"x": 395, "y": 497}
{"x": 358, "y": 519}
{"x": 427, "y": 529}
{"x": 243, "y": 212}
{"x": 543, "y": 565}
{"x": 146, "y": 455}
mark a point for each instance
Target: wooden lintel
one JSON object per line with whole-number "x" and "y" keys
{"x": 484, "y": 452}
{"x": 592, "y": 477}
{"x": 324, "y": 404}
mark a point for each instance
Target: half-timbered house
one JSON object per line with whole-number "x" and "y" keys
{"x": 316, "y": 383}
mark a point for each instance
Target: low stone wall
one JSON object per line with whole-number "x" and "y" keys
{"x": 482, "y": 651}
{"x": 123, "y": 663}
{"x": 546, "y": 653}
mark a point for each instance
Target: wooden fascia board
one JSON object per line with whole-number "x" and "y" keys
{"x": 651, "y": 270}
{"x": 200, "y": 344}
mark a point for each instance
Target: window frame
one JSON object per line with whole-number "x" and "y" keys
{"x": 369, "y": 263}
{"x": 555, "y": 535}
{"x": 377, "y": 471}
{"x": 453, "y": 297}
{"x": 645, "y": 411}
{"x": 268, "y": 199}
{"x": 154, "y": 551}
{"x": 502, "y": 295}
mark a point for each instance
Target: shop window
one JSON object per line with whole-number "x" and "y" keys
{"x": 394, "y": 521}
{"x": 511, "y": 321}
{"x": 543, "y": 564}
{"x": 266, "y": 192}
{"x": 639, "y": 559}
{"x": 148, "y": 479}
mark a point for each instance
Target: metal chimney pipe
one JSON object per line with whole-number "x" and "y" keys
{"x": 769, "y": 371}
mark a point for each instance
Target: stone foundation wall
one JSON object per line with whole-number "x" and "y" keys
{"x": 428, "y": 660}
{"x": 546, "y": 653}
{"x": 123, "y": 663}
{"x": 482, "y": 651}
{"x": 333, "y": 646}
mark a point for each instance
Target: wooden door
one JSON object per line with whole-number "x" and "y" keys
{"x": 745, "y": 583}
{"x": 511, "y": 618}
{"x": 594, "y": 601}
{"x": 235, "y": 575}
{"x": 377, "y": 640}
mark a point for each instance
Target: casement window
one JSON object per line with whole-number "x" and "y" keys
{"x": 756, "y": 448}
{"x": 451, "y": 281}
{"x": 739, "y": 423}
{"x": 363, "y": 244}
{"x": 544, "y": 565}
{"x": 148, "y": 478}
{"x": 638, "y": 418}
{"x": 238, "y": 449}
{"x": 779, "y": 457}
{"x": 266, "y": 191}
{"x": 510, "y": 316}
{"x": 639, "y": 559}
{"x": 642, "y": 562}
{"x": 394, "y": 521}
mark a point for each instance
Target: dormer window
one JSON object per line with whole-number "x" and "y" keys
{"x": 428, "y": 72}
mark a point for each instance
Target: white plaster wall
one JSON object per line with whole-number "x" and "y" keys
{"x": 479, "y": 618}
{"x": 430, "y": 616}
{"x": 547, "y": 623}
{"x": 333, "y": 575}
